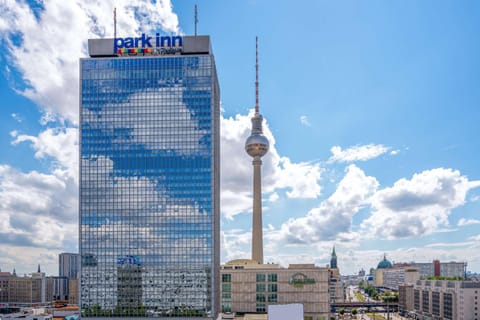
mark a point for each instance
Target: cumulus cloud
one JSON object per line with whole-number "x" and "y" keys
{"x": 465, "y": 222}
{"x": 297, "y": 180}
{"x": 41, "y": 36}
{"x": 38, "y": 217}
{"x": 332, "y": 220}
{"x": 357, "y": 153}
{"x": 58, "y": 144}
{"x": 419, "y": 206}
{"x": 235, "y": 244}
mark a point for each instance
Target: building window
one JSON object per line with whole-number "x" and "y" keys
{"x": 261, "y": 307}
{"x": 227, "y": 296}
{"x": 272, "y": 287}
{"x": 272, "y": 297}
{"x": 226, "y": 287}
{"x": 226, "y": 307}
{"x": 260, "y": 287}
{"x": 226, "y": 277}
{"x": 272, "y": 277}
{"x": 260, "y": 277}
{"x": 260, "y": 297}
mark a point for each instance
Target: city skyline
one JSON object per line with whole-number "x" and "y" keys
{"x": 370, "y": 112}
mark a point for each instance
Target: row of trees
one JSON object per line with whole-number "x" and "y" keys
{"x": 140, "y": 311}
{"x": 386, "y": 296}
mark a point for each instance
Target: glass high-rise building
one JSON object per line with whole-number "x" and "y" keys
{"x": 149, "y": 178}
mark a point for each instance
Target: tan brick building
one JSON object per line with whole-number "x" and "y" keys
{"x": 249, "y": 287}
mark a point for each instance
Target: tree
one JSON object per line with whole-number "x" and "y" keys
{"x": 361, "y": 284}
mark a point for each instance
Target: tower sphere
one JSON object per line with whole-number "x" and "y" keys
{"x": 256, "y": 145}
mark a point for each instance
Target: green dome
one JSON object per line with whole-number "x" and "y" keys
{"x": 384, "y": 264}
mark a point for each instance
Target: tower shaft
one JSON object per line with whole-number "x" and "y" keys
{"x": 257, "y": 225}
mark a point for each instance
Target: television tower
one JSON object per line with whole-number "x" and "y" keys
{"x": 257, "y": 146}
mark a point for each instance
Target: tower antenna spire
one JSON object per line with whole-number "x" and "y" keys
{"x": 115, "y": 23}
{"x": 196, "y": 20}
{"x": 256, "y": 76}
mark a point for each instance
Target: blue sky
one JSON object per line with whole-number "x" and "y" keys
{"x": 371, "y": 108}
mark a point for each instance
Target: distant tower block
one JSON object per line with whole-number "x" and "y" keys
{"x": 257, "y": 146}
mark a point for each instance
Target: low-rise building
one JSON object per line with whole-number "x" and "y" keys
{"x": 34, "y": 290}
{"x": 249, "y": 287}
{"x": 73, "y": 291}
{"x": 396, "y": 276}
{"x": 28, "y": 314}
{"x": 446, "y": 299}
{"x": 440, "y": 269}
{"x": 405, "y": 298}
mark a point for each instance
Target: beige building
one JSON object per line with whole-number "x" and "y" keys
{"x": 446, "y": 299}
{"x": 405, "y": 298}
{"x": 37, "y": 289}
{"x": 249, "y": 287}
{"x": 73, "y": 291}
{"x": 393, "y": 277}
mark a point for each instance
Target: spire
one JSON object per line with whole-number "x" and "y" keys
{"x": 14, "y": 272}
{"x": 196, "y": 20}
{"x": 256, "y": 76}
{"x": 333, "y": 260}
{"x": 39, "y": 268}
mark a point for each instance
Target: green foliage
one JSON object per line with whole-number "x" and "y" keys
{"x": 359, "y": 296}
{"x": 441, "y": 278}
{"x": 354, "y": 312}
{"x": 361, "y": 284}
{"x": 342, "y": 311}
{"x": 371, "y": 291}
{"x": 97, "y": 311}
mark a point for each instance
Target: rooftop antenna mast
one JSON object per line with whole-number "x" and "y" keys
{"x": 256, "y": 76}
{"x": 115, "y": 23}
{"x": 196, "y": 20}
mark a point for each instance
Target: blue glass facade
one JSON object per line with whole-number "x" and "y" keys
{"x": 149, "y": 186}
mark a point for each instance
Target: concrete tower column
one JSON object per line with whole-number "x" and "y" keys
{"x": 257, "y": 225}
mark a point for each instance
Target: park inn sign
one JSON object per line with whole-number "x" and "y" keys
{"x": 298, "y": 280}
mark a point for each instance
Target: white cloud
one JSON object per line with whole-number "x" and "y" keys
{"x": 357, "y": 153}
{"x": 419, "y": 206}
{"x": 299, "y": 180}
{"x": 235, "y": 244}
{"x": 47, "y": 55}
{"x": 304, "y": 121}
{"x": 37, "y": 210}
{"x": 475, "y": 238}
{"x": 60, "y": 144}
{"x": 332, "y": 220}
{"x": 465, "y": 222}
{"x": 475, "y": 198}
{"x": 273, "y": 197}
